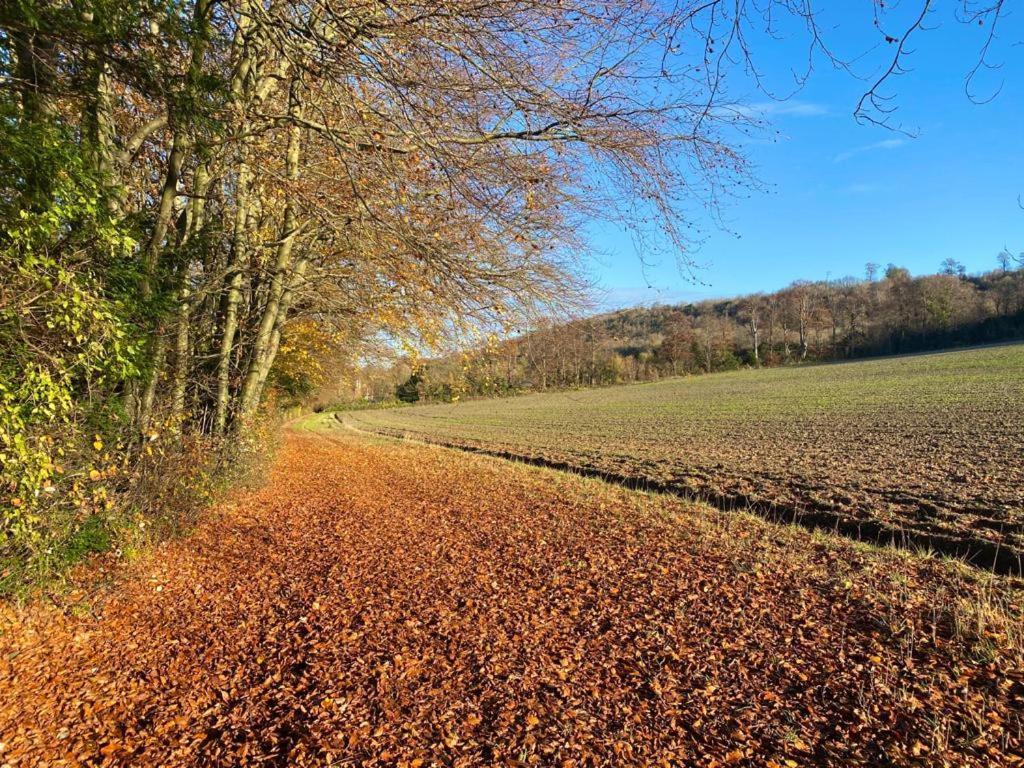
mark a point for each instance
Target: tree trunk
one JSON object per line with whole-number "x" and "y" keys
{"x": 181, "y": 143}
{"x": 241, "y": 89}
{"x": 259, "y": 366}
{"x": 282, "y": 315}
{"x": 35, "y": 70}
{"x": 234, "y": 295}
{"x": 755, "y": 339}
{"x": 149, "y": 394}
{"x": 194, "y": 225}
{"x": 100, "y": 129}
{"x": 181, "y": 359}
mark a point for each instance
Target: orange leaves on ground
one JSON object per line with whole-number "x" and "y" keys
{"x": 389, "y": 605}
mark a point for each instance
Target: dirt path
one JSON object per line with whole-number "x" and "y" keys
{"x": 385, "y": 604}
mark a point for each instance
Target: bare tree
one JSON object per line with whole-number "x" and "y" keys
{"x": 750, "y": 311}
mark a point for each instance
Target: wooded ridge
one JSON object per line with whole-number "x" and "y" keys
{"x": 892, "y": 313}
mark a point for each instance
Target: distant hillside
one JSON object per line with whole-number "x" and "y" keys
{"x": 891, "y": 313}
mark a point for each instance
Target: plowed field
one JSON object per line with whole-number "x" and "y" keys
{"x": 925, "y": 451}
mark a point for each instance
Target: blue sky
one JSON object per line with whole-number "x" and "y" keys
{"x": 839, "y": 194}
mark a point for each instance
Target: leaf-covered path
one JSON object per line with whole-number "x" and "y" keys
{"x": 397, "y": 605}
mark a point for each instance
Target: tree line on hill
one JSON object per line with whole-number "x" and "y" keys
{"x": 887, "y": 312}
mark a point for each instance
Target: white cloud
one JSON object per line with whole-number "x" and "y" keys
{"x": 885, "y": 144}
{"x": 765, "y": 110}
{"x": 793, "y": 107}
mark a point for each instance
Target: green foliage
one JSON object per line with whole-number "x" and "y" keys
{"x": 409, "y": 390}
{"x": 725, "y": 360}
{"x": 78, "y": 304}
{"x": 438, "y": 392}
{"x": 92, "y": 537}
{"x": 66, "y": 346}
{"x": 300, "y": 365}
